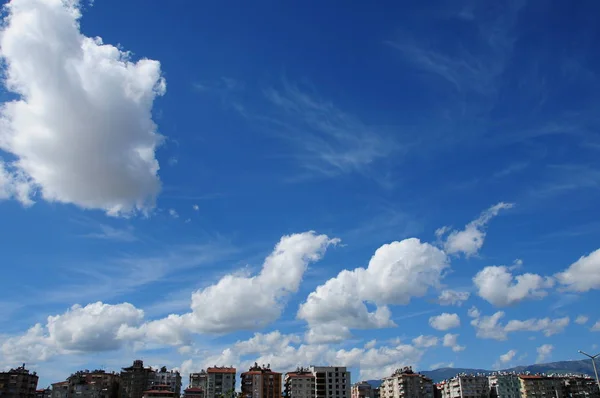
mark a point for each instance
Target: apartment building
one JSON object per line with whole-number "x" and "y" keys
{"x": 199, "y": 380}
{"x": 261, "y": 382}
{"x": 404, "y": 383}
{"x": 18, "y": 383}
{"x": 220, "y": 381}
{"x": 540, "y": 386}
{"x": 465, "y": 386}
{"x": 362, "y": 389}
{"x": 504, "y": 385}
{"x": 94, "y": 384}
{"x": 60, "y": 389}
{"x": 43, "y": 393}
{"x": 135, "y": 380}
{"x": 576, "y": 386}
{"x": 169, "y": 378}
{"x": 159, "y": 391}
{"x": 331, "y": 381}
{"x": 299, "y": 384}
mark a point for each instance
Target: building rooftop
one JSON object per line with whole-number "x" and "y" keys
{"x": 221, "y": 369}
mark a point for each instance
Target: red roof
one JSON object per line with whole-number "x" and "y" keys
{"x": 293, "y": 374}
{"x": 220, "y": 370}
{"x": 194, "y": 389}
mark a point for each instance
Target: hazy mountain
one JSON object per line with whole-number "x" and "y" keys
{"x": 581, "y": 366}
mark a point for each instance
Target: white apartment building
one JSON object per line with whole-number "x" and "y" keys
{"x": 504, "y": 385}
{"x": 404, "y": 383}
{"x": 331, "y": 381}
{"x": 363, "y": 389}
{"x": 465, "y": 386}
{"x": 300, "y": 384}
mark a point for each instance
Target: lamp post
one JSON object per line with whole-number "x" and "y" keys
{"x": 593, "y": 358}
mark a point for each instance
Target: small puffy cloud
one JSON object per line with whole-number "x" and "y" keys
{"x": 474, "y": 312}
{"x": 500, "y": 288}
{"x": 546, "y": 325}
{"x": 81, "y": 128}
{"x": 451, "y": 340}
{"x": 544, "y": 352}
{"x": 453, "y": 297}
{"x": 92, "y": 328}
{"x": 505, "y": 358}
{"x": 173, "y": 213}
{"x": 583, "y": 275}
{"x": 582, "y": 319}
{"x": 596, "y": 327}
{"x": 444, "y": 321}
{"x": 425, "y": 341}
{"x": 196, "y": 207}
{"x": 411, "y": 268}
{"x": 469, "y": 240}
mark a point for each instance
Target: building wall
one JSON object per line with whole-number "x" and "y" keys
{"x": 18, "y": 383}
{"x": 331, "y": 381}
{"x": 504, "y": 386}
{"x": 135, "y": 380}
{"x": 299, "y": 385}
{"x": 172, "y": 379}
{"x": 406, "y": 385}
{"x": 261, "y": 383}
{"x": 465, "y": 386}
{"x": 220, "y": 382}
{"x": 540, "y": 387}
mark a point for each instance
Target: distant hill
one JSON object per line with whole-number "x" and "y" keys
{"x": 579, "y": 367}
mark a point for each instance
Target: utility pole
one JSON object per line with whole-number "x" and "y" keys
{"x": 593, "y": 358}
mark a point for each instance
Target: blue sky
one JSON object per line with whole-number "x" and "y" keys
{"x": 152, "y": 171}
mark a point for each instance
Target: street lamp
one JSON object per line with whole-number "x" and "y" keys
{"x": 593, "y": 358}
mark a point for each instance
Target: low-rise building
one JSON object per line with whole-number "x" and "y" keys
{"x": 404, "y": 383}
{"x": 159, "y": 391}
{"x": 299, "y": 384}
{"x": 362, "y": 389}
{"x": 60, "y": 389}
{"x": 193, "y": 392}
{"x": 18, "y": 383}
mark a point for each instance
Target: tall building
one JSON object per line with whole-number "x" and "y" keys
{"x": 135, "y": 380}
{"x": 504, "y": 385}
{"x": 170, "y": 378}
{"x": 220, "y": 382}
{"x": 300, "y": 384}
{"x": 331, "y": 381}
{"x": 18, "y": 383}
{"x": 465, "y": 386}
{"x": 261, "y": 382}
{"x": 404, "y": 383}
{"x": 540, "y": 386}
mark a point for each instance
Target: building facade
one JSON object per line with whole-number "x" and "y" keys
{"x": 220, "y": 382}
{"x": 170, "y": 378}
{"x": 18, "y": 383}
{"x": 60, "y": 389}
{"x": 159, "y": 391}
{"x": 363, "y": 389}
{"x": 580, "y": 387}
{"x": 86, "y": 384}
{"x": 199, "y": 380}
{"x": 300, "y": 384}
{"x": 404, "y": 383}
{"x": 261, "y": 382}
{"x": 43, "y": 393}
{"x": 135, "y": 380}
{"x": 465, "y": 386}
{"x": 540, "y": 386}
{"x": 331, "y": 381}
{"x": 504, "y": 385}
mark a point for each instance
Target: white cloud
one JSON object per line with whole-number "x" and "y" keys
{"x": 470, "y": 240}
{"x": 544, "y": 352}
{"x": 453, "y": 297}
{"x": 596, "y": 327}
{"x": 173, "y": 213}
{"x": 92, "y": 328}
{"x": 425, "y": 341}
{"x": 444, "y": 321}
{"x": 81, "y": 129}
{"x": 583, "y": 275}
{"x": 488, "y": 327}
{"x": 474, "y": 312}
{"x": 504, "y": 358}
{"x": 500, "y": 288}
{"x": 546, "y": 325}
{"x": 451, "y": 340}
{"x": 582, "y": 319}
{"x": 196, "y": 207}
{"x": 410, "y": 268}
